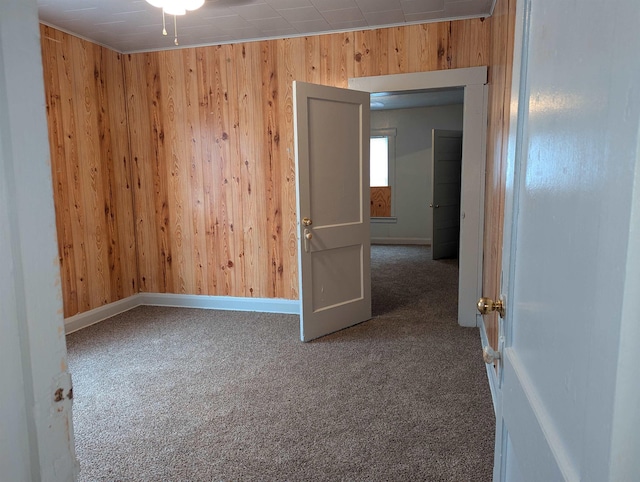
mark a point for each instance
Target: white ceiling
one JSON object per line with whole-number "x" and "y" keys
{"x": 134, "y": 25}
{"x": 416, "y": 98}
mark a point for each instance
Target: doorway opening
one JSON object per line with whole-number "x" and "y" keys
{"x": 404, "y": 122}
{"x": 473, "y": 83}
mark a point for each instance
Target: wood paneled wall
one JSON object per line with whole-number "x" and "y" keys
{"x": 380, "y": 201}
{"x": 211, "y": 151}
{"x": 502, "y": 41}
{"x": 88, "y": 137}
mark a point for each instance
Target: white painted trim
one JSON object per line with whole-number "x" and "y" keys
{"x": 417, "y": 241}
{"x": 493, "y": 7}
{"x": 77, "y": 35}
{"x": 264, "y": 305}
{"x": 384, "y": 220}
{"x": 625, "y": 438}
{"x": 417, "y": 81}
{"x": 91, "y": 317}
{"x": 312, "y": 34}
{"x": 491, "y": 372}
{"x": 474, "y": 153}
{"x": 37, "y": 441}
{"x": 523, "y": 406}
{"x": 518, "y": 103}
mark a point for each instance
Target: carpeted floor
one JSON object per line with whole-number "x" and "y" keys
{"x": 169, "y": 394}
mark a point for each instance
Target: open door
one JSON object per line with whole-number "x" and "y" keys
{"x": 332, "y": 165}
{"x": 446, "y": 171}
{"x": 568, "y": 404}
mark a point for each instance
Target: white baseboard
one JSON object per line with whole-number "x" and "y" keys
{"x": 385, "y": 240}
{"x": 91, "y": 317}
{"x": 491, "y": 372}
{"x": 265, "y": 305}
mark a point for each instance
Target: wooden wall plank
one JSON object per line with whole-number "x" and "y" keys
{"x": 250, "y": 134}
{"x": 55, "y": 98}
{"x": 397, "y": 57}
{"x": 139, "y": 117}
{"x": 88, "y": 136}
{"x": 118, "y": 190}
{"x": 228, "y": 125}
{"x": 381, "y": 201}
{"x": 207, "y": 201}
{"x": 193, "y": 133}
{"x": 79, "y": 233}
{"x": 237, "y": 88}
{"x": 210, "y": 133}
{"x": 291, "y": 66}
{"x": 270, "y": 171}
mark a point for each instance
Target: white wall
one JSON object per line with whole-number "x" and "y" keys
{"x": 413, "y": 169}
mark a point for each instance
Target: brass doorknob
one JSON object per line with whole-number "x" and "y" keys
{"x": 487, "y": 305}
{"x": 306, "y": 222}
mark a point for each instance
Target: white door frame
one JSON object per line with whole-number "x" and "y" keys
{"x": 474, "y": 151}
{"x": 513, "y": 147}
{"x": 37, "y": 433}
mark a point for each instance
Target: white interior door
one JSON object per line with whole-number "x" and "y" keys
{"x": 568, "y": 406}
{"x": 332, "y": 165}
{"x": 446, "y": 147}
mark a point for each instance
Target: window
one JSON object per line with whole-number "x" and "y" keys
{"x": 382, "y": 155}
{"x": 379, "y": 161}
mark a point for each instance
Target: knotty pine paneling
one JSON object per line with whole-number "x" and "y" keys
{"x": 174, "y": 171}
{"x": 500, "y": 73}
{"x": 212, "y": 147}
{"x": 380, "y": 201}
{"x": 88, "y": 138}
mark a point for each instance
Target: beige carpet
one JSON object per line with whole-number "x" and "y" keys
{"x": 167, "y": 394}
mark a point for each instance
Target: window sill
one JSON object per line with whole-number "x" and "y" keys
{"x": 385, "y": 220}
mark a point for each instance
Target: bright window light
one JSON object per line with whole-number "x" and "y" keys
{"x": 379, "y": 155}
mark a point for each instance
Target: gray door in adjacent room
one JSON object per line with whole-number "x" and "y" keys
{"x": 446, "y": 147}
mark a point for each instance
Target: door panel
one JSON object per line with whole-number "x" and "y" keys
{"x": 523, "y": 409}
{"x": 343, "y": 264}
{"x": 446, "y": 182}
{"x": 332, "y": 163}
{"x": 569, "y": 242}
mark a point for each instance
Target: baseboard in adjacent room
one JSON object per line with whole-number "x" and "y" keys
{"x": 264, "y": 305}
{"x": 419, "y": 241}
